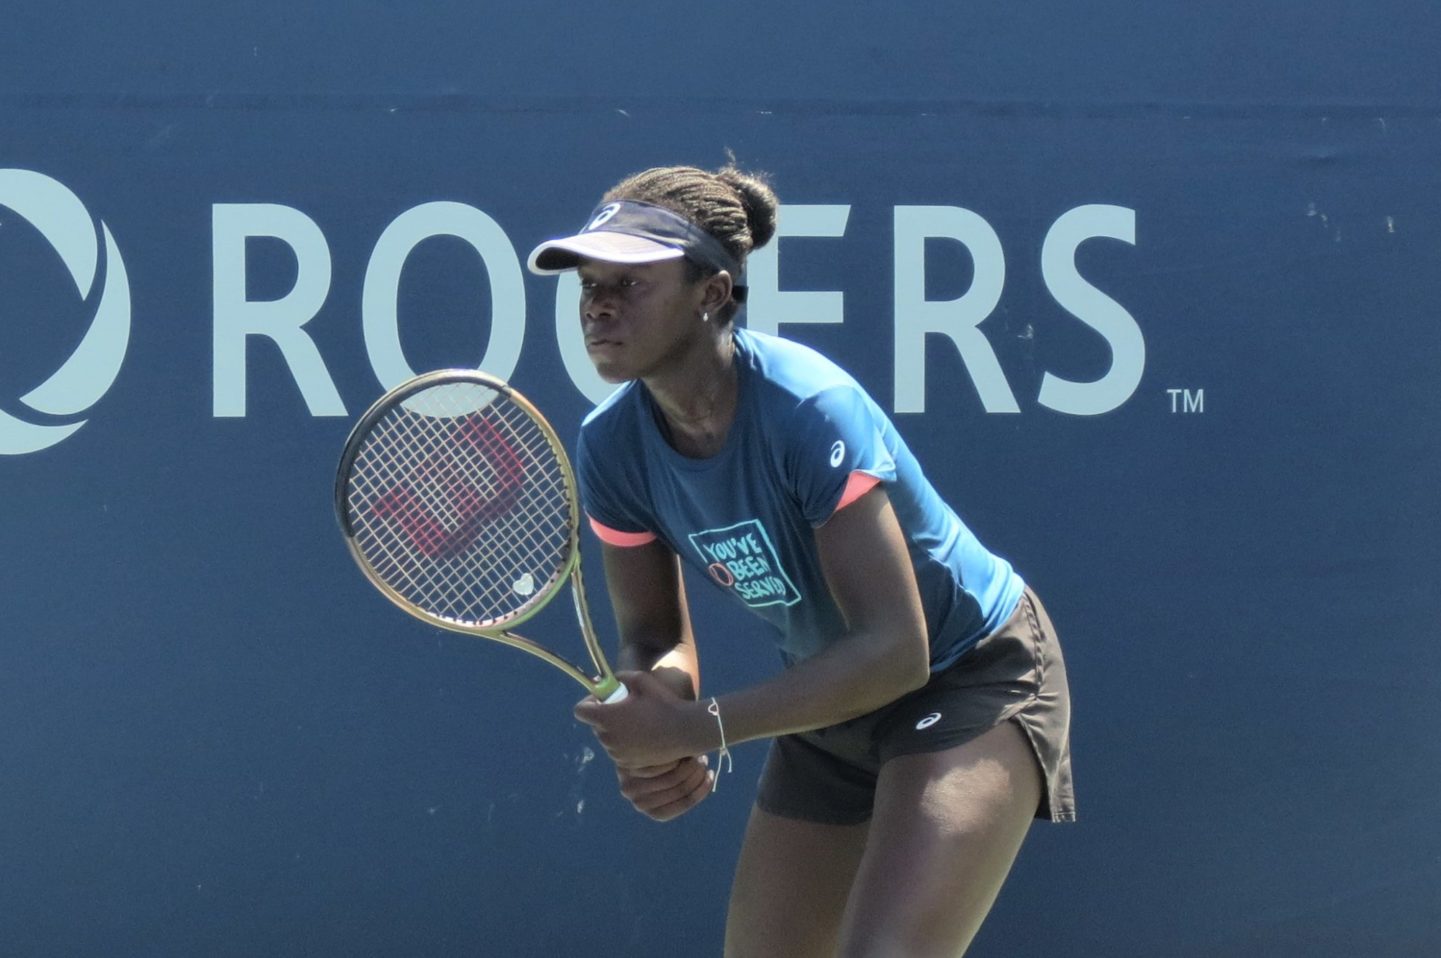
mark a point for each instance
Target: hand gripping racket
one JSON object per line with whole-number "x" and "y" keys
{"x": 458, "y": 501}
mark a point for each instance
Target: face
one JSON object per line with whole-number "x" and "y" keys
{"x": 638, "y": 320}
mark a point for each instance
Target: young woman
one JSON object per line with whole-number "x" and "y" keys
{"x": 921, "y": 722}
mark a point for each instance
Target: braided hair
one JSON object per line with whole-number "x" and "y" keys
{"x": 737, "y": 208}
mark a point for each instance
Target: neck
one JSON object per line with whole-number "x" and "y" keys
{"x": 697, "y": 398}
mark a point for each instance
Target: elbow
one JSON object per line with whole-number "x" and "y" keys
{"x": 887, "y": 664}
{"x": 917, "y": 673}
{"x": 909, "y": 665}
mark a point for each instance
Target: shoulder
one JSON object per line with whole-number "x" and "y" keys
{"x": 801, "y": 390}
{"x": 615, "y": 412}
{"x": 793, "y": 376}
{"x": 613, "y": 424}
{"x": 820, "y": 425}
{"x": 608, "y": 478}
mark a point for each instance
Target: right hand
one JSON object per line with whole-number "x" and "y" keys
{"x": 664, "y": 792}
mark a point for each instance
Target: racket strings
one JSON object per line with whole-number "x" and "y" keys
{"x": 439, "y": 544}
{"x": 460, "y": 504}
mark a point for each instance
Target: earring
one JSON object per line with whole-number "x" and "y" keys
{"x": 705, "y": 317}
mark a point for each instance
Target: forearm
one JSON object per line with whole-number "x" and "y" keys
{"x": 648, "y": 598}
{"x": 857, "y": 675}
{"x": 885, "y": 653}
{"x": 677, "y": 666}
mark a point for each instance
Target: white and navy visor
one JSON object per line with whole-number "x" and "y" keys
{"x": 630, "y": 231}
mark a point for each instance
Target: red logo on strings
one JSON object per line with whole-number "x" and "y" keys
{"x": 449, "y": 475}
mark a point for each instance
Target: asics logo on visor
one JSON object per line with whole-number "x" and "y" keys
{"x": 928, "y": 721}
{"x": 606, "y": 212}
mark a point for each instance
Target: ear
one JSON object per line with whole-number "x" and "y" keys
{"x": 716, "y": 292}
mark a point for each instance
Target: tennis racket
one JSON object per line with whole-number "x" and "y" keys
{"x": 457, "y": 500}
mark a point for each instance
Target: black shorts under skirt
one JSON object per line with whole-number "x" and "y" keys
{"x": 1016, "y": 674}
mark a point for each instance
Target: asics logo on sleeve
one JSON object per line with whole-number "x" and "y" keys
{"x": 838, "y": 453}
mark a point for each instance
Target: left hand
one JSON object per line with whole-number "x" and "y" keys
{"x": 665, "y": 792}
{"x": 652, "y": 726}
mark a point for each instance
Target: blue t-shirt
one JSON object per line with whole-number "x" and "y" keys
{"x": 745, "y": 517}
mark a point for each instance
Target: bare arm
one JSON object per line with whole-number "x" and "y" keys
{"x": 885, "y": 652}
{"x": 648, "y": 595}
{"x": 883, "y": 655}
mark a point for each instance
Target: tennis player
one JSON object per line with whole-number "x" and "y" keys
{"x": 921, "y": 722}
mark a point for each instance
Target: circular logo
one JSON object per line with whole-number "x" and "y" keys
{"x": 928, "y": 721}
{"x": 838, "y": 453}
{"x": 721, "y": 574}
{"x": 58, "y": 215}
{"x": 606, "y": 212}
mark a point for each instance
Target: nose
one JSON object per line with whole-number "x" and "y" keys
{"x": 596, "y": 305}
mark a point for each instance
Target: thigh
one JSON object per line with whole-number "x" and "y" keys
{"x": 791, "y": 886}
{"x": 946, "y": 828}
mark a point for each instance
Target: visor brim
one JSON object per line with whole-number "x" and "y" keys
{"x": 563, "y": 255}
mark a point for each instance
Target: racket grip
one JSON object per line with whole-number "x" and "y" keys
{"x": 619, "y": 695}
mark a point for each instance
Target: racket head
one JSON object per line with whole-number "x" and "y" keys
{"x": 457, "y": 500}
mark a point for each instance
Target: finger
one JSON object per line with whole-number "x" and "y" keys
{"x": 588, "y": 712}
{"x": 664, "y": 788}
{"x": 633, "y": 786}
{"x": 648, "y": 771}
{"x": 671, "y": 810}
{"x": 647, "y": 789}
{"x": 656, "y": 771}
{"x": 687, "y": 801}
{"x": 655, "y": 793}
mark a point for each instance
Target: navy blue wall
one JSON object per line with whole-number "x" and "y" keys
{"x": 215, "y": 739}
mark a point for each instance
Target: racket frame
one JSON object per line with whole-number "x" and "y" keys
{"x": 604, "y": 686}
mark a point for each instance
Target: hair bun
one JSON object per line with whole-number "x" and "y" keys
{"x": 758, "y": 200}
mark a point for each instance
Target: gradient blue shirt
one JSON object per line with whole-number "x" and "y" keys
{"x": 745, "y": 517}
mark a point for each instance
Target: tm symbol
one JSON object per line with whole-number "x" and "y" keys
{"x": 1187, "y": 400}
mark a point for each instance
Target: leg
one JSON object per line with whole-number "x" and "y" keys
{"x": 790, "y": 887}
{"x": 947, "y": 827}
